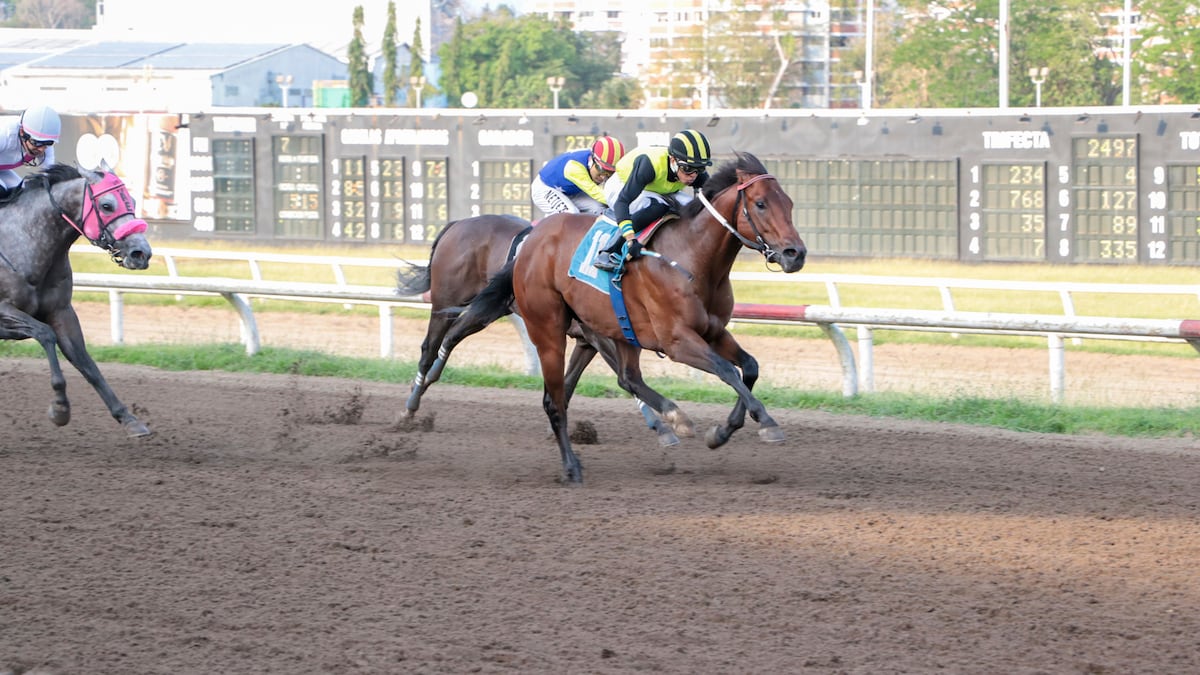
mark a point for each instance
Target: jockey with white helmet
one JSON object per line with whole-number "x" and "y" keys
{"x": 27, "y": 140}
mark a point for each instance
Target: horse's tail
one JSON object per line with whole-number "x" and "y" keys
{"x": 494, "y": 301}
{"x": 414, "y": 279}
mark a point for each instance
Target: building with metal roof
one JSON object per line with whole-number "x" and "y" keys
{"x": 131, "y": 76}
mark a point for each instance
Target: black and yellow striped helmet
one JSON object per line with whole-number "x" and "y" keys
{"x": 691, "y": 148}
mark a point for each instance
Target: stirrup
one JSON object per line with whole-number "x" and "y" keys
{"x": 606, "y": 261}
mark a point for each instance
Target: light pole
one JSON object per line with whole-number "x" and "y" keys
{"x": 418, "y": 85}
{"x": 284, "y": 81}
{"x": 1038, "y": 76}
{"x": 862, "y": 88}
{"x": 556, "y": 85}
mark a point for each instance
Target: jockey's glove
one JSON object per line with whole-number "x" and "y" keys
{"x": 634, "y": 250}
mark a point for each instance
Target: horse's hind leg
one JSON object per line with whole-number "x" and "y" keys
{"x": 70, "y": 341}
{"x": 661, "y": 414}
{"x": 460, "y": 328}
{"x": 17, "y": 325}
{"x": 582, "y": 355}
{"x": 431, "y": 353}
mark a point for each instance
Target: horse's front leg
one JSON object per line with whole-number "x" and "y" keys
{"x": 547, "y": 326}
{"x": 17, "y": 325}
{"x": 70, "y": 340}
{"x": 690, "y": 349}
{"x": 554, "y": 402}
{"x": 729, "y": 349}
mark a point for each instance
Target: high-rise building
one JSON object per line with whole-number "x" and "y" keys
{"x": 685, "y": 52}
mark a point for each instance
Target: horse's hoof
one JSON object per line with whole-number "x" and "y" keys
{"x": 681, "y": 423}
{"x": 667, "y": 438}
{"x": 572, "y": 476}
{"x": 59, "y": 414}
{"x": 772, "y": 435}
{"x": 716, "y": 437}
{"x": 136, "y": 429}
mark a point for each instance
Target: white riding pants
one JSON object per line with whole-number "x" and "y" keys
{"x": 614, "y": 185}
{"x": 553, "y": 200}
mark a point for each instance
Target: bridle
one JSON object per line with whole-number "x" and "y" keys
{"x": 94, "y": 224}
{"x": 759, "y": 244}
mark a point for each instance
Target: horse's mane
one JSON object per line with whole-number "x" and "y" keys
{"x": 725, "y": 176}
{"x": 58, "y": 173}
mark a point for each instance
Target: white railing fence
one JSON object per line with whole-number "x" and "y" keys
{"x": 858, "y": 371}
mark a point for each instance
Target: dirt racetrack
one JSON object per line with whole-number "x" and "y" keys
{"x": 280, "y": 524}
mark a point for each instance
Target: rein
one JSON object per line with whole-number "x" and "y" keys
{"x": 759, "y": 244}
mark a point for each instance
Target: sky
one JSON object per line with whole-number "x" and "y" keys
{"x": 321, "y": 24}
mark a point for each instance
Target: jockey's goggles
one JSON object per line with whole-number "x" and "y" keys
{"x": 606, "y": 168}
{"x": 35, "y": 142}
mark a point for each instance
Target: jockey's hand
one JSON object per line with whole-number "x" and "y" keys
{"x": 635, "y": 249}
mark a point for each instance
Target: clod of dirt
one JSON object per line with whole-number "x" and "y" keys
{"x": 585, "y": 433}
{"x": 349, "y": 411}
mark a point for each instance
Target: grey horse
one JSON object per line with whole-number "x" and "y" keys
{"x": 38, "y": 224}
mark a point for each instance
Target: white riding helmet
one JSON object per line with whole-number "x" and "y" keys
{"x": 41, "y": 123}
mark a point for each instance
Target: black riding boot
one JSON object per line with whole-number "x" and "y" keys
{"x": 609, "y": 257}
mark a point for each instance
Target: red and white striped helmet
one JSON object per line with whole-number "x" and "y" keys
{"x": 607, "y": 151}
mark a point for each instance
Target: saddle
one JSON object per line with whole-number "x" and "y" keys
{"x": 647, "y": 232}
{"x": 9, "y": 195}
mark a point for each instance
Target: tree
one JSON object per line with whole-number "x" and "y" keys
{"x": 744, "y": 55}
{"x": 951, "y": 54}
{"x": 391, "y": 80}
{"x": 1068, "y": 38}
{"x": 361, "y": 79}
{"x": 416, "y": 68}
{"x": 443, "y": 19}
{"x": 620, "y": 93}
{"x": 55, "y": 14}
{"x": 948, "y": 56}
{"x": 505, "y": 60}
{"x": 1166, "y": 55}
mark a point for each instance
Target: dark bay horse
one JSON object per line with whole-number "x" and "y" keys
{"x": 683, "y": 316}
{"x": 464, "y": 255}
{"x": 37, "y": 228}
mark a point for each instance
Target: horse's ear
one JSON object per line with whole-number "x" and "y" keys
{"x": 104, "y": 167}
{"x": 91, "y": 176}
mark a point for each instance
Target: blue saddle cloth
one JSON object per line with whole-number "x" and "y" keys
{"x": 581, "y": 267}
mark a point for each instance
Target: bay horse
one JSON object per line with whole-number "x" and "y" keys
{"x": 463, "y": 256}
{"x": 38, "y": 225}
{"x": 682, "y": 313}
